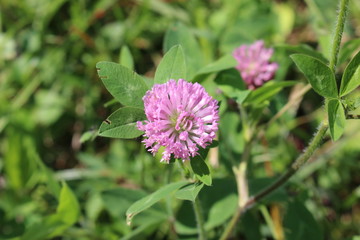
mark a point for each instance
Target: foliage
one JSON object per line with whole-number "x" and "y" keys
{"x": 61, "y": 179}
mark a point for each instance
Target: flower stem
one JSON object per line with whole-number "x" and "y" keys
{"x": 339, "y": 29}
{"x": 199, "y": 219}
{"x": 299, "y": 162}
{"x": 172, "y": 231}
{"x": 196, "y": 205}
{"x": 242, "y": 185}
{"x": 241, "y": 174}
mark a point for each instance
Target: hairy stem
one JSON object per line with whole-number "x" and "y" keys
{"x": 299, "y": 162}
{"x": 339, "y": 29}
{"x": 242, "y": 185}
{"x": 199, "y": 219}
{"x": 172, "y": 231}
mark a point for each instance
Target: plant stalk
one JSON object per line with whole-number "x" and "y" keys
{"x": 199, "y": 219}
{"x": 299, "y": 162}
{"x": 172, "y": 232}
{"x": 339, "y": 29}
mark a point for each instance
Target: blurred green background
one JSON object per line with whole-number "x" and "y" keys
{"x": 52, "y": 103}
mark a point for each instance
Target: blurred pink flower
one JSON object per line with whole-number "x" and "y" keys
{"x": 254, "y": 65}
{"x": 180, "y": 117}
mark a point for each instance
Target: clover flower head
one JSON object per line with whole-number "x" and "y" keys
{"x": 181, "y": 116}
{"x": 253, "y": 64}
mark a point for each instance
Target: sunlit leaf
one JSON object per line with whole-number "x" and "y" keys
{"x": 126, "y": 58}
{"x": 19, "y": 164}
{"x": 125, "y": 85}
{"x": 225, "y": 62}
{"x": 351, "y": 76}
{"x": 337, "y": 118}
{"x": 122, "y": 123}
{"x": 267, "y": 91}
{"x": 68, "y": 208}
{"x": 180, "y": 34}
{"x": 189, "y": 192}
{"x": 172, "y": 66}
{"x": 319, "y": 75}
{"x": 151, "y": 199}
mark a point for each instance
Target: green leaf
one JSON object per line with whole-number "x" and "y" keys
{"x": 241, "y": 96}
{"x": 20, "y": 163}
{"x": 126, "y": 58}
{"x": 300, "y": 224}
{"x": 50, "y": 180}
{"x": 41, "y": 231}
{"x": 122, "y": 123}
{"x": 319, "y": 75}
{"x": 180, "y": 34}
{"x": 225, "y": 62}
{"x": 93, "y": 206}
{"x": 110, "y": 102}
{"x": 118, "y": 200}
{"x": 218, "y": 202}
{"x": 172, "y": 66}
{"x": 221, "y": 210}
{"x": 49, "y": 107}
{"x": 348, "y": 49}
{"x": 231, "y": 84}
{"x": 355, "y": 238}
{"x": 67, "y": 213}
{"x": 301, "y": 49}
{"x": 230, "y": 77}
{"x": 125, "y": 85}
{"x": 351, "y": 104}
{"x": 68, "y": 208}
{"x": 89, "y": 135}
{"x": 189, "y": 192}
{"x": 337, "y": 118}
{"x": 200, "y": 168}
{"x": 151, "y": 199}
{"x": 351, "y": 77}
{"x": 165, "y": 11}
{"x": 267, "y": 91}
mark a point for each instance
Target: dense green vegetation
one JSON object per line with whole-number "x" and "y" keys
{"x": 58, "y": 180}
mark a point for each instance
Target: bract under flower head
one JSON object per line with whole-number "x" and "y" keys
{"x": 254, "y": 65}
{"x": 180, "y": 117}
